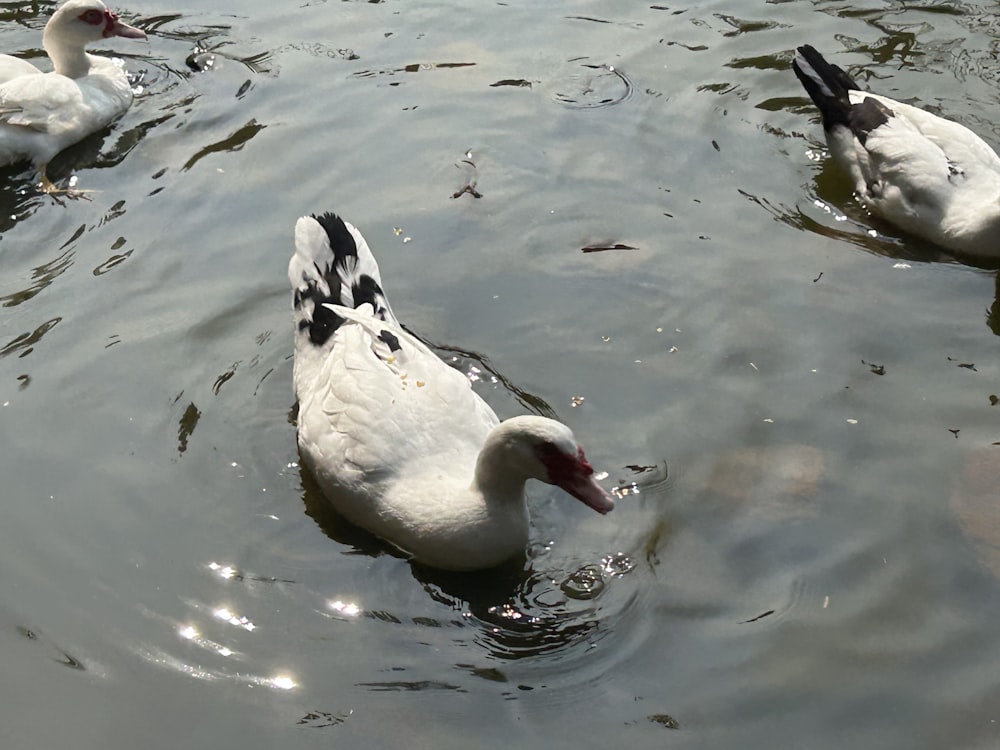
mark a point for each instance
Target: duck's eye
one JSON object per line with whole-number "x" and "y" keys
{"x": 548, "y": 448}
{"x": 93, "y": 17}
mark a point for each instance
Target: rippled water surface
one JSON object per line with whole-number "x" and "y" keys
{"x": 621, "y": 214}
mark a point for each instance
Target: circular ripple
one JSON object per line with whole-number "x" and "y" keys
{"x": 589, "y": 85}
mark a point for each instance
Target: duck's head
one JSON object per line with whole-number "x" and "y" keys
{"x": 79, "y": 22}
{"x": 545, "y": 449}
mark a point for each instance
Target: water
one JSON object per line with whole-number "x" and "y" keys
{"x": 796, "y": 413}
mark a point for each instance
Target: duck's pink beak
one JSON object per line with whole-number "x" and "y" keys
{"x": 114, "y": 27}
{"x": 575, "y": 475}
{"x": 586, "y": 489}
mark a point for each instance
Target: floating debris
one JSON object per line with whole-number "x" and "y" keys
{"x": 758, "y": 617}
{"x": 640, "y": 468}
{"x": 608, "y": 246}
{"x": 470, "y": 176}
{"x": 876, "y": 369}
{"x": 664, "y": 720}
{"x": 519, "y": 82}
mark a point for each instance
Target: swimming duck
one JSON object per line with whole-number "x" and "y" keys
{"x": 927, "y": 175}
{"x": 397, "y": 439}
{"x": 43, "y": 113}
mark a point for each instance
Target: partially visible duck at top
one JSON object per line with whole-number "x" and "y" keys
{"x": 929, "y": 176}
{"x": 43, "y": 113}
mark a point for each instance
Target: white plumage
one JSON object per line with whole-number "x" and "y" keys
{"x": 398, "y": 441}
{"x": 43, "y": 113}
{"x": 929, "y": 176}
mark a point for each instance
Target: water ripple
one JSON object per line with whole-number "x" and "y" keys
{"x": 590, "y": 85}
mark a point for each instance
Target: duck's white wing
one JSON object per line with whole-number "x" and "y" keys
{"x": 959, "y": 144}
{"x": 42, "y": 103}
{"x": 931, "y": 176}
{"x": 382, "y": 399}
{"x": 14, "y": 67}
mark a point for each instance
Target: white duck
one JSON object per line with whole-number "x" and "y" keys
{"x": 929, "y": 176}
{"x": 43, "y": 113}
{"x": 399, "y": 442}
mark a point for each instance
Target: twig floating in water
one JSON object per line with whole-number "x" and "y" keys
{"x": 602, "y": 248}
{"x": 758, "y": 617}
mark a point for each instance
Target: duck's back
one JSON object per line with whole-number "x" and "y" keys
{"x": 380, "y": 414}
{"x": 14, "y": 67}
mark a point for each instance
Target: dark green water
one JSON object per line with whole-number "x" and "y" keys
{"x": 810, "y": 558}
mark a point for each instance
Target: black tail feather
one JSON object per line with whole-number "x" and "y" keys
{"x": 827, "y": 85}
{"x": 322, "y": 285}
{"x": 332, "y": 265}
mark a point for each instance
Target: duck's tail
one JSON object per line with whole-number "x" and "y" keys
{"x": 332, "y": 265}
{"x": 826, "y": 84}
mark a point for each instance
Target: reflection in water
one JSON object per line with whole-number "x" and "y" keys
{"x": 533, "y": 403}
{"x": 25, "y": 343}
{"x": 859, "y": 227}
{"x": 115, "y": 260}
{"x": 411, "y": 68}
{"x": 230, "y": 661}
{"x": 411, "y": 686}
{"x": 41, "y": 277}
{"x": 993, "y": 314}
{"x": 233, "y": 142}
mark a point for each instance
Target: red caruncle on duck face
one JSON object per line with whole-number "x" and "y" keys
{"x": 105, "y": 18}
{"x": 93, "y": 17}
{"x": 561, "y": 465}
